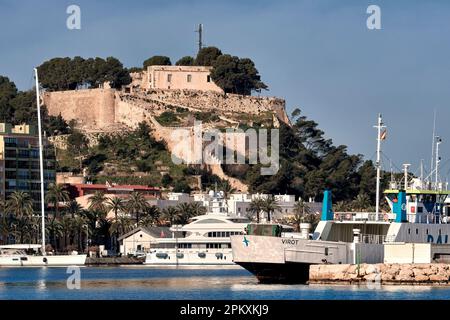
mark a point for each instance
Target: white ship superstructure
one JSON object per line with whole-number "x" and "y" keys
{"x": 203, "y": 241}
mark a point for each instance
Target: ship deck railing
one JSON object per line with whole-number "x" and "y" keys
{"x": 363, "y": 216}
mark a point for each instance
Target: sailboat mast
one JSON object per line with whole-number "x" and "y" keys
{"x": 379, "y": 126}
{"x": 41, "y": 161}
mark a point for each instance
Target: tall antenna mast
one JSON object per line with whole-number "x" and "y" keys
{"x": 379, "y": 126}
{"x": 421, "y": 174}
{"x": 405, "y": 171}
{"x": 200, "y": 33}
{"x": 432, "y": 143}
{"x": 41, "y": 161}
{"x": 438, "y": 159}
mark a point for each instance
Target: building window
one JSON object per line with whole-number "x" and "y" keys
{"x": 189, "y": 78}
{"x": 208, "y": 78}
{"x": 169, "y": 78}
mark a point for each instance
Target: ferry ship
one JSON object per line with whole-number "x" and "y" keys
{"x": 417, "y": 215}
{"x": 205, "y": 241}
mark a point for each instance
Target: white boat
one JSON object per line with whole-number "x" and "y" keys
{"x": 203, "y": 242}
{"x": 34, "y": 255}
{"x": 27, "y": 255}
{"x": 418, "y": 216}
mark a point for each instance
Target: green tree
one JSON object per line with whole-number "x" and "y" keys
{"x": 157, "y": 61}
{"x": 20, "y": 204}
{"x": 69, "y": 74}
{"x": 97, "y": 202}
{"x": 8, "y": 91}
{"x": 136, "y": 205}
{"x": 170, "y": 214}
{"x": 361, "y": 202}
{"x": 116, "y": 205}
{"x": 256, "y": 207}
{"x": 269, "y": 206}
{"x": 77, "y": 143}
{"x": 227, "y": 189}
{"x": 236, "y": 75}
{"x": 56, "y": 193}
{"x": 185, "y": 61}
{"x": 207, "y": 56}
{"x": 302, "y": 214}
{"x": 181, "y": 186}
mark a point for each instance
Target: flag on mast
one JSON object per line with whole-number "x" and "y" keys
{"x": 383, "y": 135}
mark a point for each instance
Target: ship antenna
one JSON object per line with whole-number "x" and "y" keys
{"x": 379, "y": 126}
{"x": 421, "y": 174}
{"x": 41, "y": 161}
{"x": 432, "y": 144}
{"x": 438, "y": 159}
{"x": 405, "y": 170}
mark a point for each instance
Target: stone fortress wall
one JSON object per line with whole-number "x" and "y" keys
{"x": 92, "y": 108}
{"x": 101, "y": 109}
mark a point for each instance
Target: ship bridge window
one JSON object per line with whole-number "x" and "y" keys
{"x": 222, "y": 234}
{"x": 209, "y": 221}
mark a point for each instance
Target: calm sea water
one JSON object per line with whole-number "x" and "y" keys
{"x": 154, "y": 284}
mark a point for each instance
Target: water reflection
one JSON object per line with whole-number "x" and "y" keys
{"x": 144, "y": 283}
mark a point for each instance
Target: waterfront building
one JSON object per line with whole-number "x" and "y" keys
{"x": 80, "y": 190}
{"x": 19, "y": 161}
{"x": 140, "y": 239}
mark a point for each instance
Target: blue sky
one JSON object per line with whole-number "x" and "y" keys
{"x": 318, "y": 55}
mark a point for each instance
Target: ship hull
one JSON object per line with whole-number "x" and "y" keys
{"x": 42, "y": 261}
{"x": 289, "y": 273}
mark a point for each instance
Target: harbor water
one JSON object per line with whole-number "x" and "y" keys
{"x": 143, "y": 283}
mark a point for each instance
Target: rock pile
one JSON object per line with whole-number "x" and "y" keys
{"x": 384, "y": 273}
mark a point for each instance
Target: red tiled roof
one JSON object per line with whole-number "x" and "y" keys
{"x": 115, "y": 187}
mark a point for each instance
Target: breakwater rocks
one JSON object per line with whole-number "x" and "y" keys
{"x": 434, "y": 273}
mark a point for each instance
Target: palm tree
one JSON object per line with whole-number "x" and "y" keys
{"x": 256, "y": 207}
{"x": 56, "y": 193}
{"x": 341, "y": 206}
{"x": 227, "y": 189}
{"x": 361, "y": 202}
{"x": 197, "y": 209}
{"x": 184, "y": 213}
{"x": 66, "y": 229}
{"x": 151, "y": 216}
{"x": 136, "y": 205}
{"x": 302, "y": 213}
{"x": 170, "y": 214}
{"x": 97, "y": 202}
{"x": 55, "y": 230}
{"x": 79, "y": 224}
{"x": 73, "y": 208}
{"x": 269, "y": 206}
{"x": 122, "y": 225}
{"x": 20, "y": 204}
{"x": 116, "y": 205}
